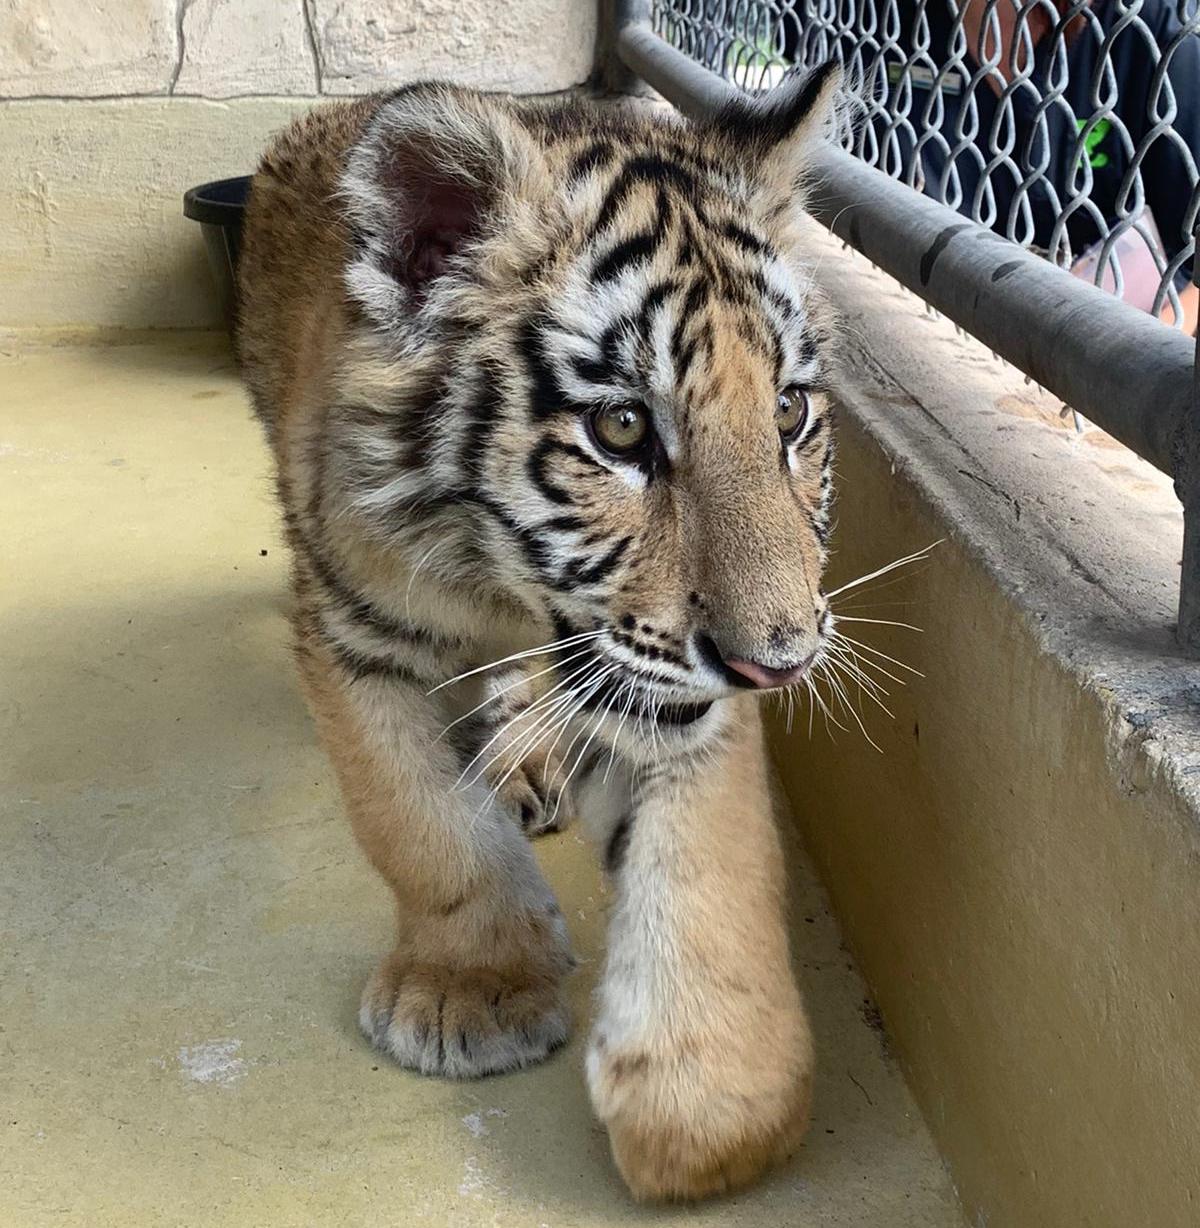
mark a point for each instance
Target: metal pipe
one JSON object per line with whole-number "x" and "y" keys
{"x": 612, "y": 74}
{"x": 1116, "y": 365}
{"x": 1187, "y": 486}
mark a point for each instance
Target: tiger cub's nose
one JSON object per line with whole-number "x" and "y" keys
{"x": 739, "y": 671}
{"x": 766, "y": 676}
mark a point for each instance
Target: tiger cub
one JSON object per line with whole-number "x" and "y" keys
{"x": 546, "y": 382}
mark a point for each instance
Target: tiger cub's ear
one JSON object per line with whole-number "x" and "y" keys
{"x": 777, "y": 131}
{"x": 437, "y": 170}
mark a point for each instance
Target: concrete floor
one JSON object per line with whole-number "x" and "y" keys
{"x": 185, "y": 922}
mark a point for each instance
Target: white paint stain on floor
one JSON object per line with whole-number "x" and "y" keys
{"x": 214, "y": 1061}
{"x": 476, "y": 1124}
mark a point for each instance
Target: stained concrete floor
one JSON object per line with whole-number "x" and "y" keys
{"x": 185, "y": 921}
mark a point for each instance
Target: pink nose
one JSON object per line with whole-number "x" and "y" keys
{"x": 765, "y": 677}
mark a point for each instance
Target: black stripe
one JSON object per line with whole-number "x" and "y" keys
{"x": 773, "y": 117}
{"x": 743, "y": 238}
{"x": 537, "y": 467}
{"x": 645, "y": 168}
{"x": 634, "y": 250}
{"x": 600, "y": 370}
{"x": 482, "y": 418}
{"x": 563, "y": 627}
{"x": 358, "y": 665}
{"x": 655, "y": 297}
{"x": 610, "y": 346}
{"x": 618, "y": 843}
{"x": 546, "y": 396}
{"x": 595, "y": 156}
{"x": 590, "y": 370}
{"x": 681, "y": 714}
{"x": 564, "y": 524}
{"x": 776, "y": 349}
{"x": 697, "y": 297}
{"x": 775, "y": 297}
{"x": 580, "y": 571}
{"x": 814, "y": 429}
{"x": 655, "y": 652}
{"x": 361, "y": 611}
{"x": 419, "y": 423}
{"x": 664, "y": 210}
{"x": 666, "y": 714}
{"x": 707, "y": 268}
{"x": 537, "y": 552}
{"x": 682, "y": 354}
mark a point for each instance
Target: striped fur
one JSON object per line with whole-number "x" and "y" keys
{"x": 439, "y": 291}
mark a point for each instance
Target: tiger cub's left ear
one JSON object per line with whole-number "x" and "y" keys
{"x": 777, "y": 131}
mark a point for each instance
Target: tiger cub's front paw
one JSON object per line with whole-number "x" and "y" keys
{"x": 462, "y": 1024}
{"x": 691, "y": 1118}
{"x": 461, "y": 1018}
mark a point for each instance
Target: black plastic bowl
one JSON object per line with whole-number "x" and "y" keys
{"x": 219, "y": 207}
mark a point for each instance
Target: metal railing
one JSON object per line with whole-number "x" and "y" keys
{"x": 1080, "y": 142}
{"x": 1115, "y": 363}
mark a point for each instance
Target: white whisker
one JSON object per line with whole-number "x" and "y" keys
{"x": 870, "y": 648}
{"x": 548, "y": 720}
{"x": 918, "y": 555}
{"x": 417, "y": 571}
{"x": 839, "y": 648}
{"x": 847, "y": 706}
{"x": 866, "y": 686}
{"x": 523, "y": 714}
{"x": 524, "y": 678}
{"x": 526, "y": 740}
{"x": 612, "y": 754}
{"x": 865, "y": 682}
{"x": 583, "y": 751}
{"x": 570, "y": 641}
{"x": 826, "y": 711}
{"x": 881, "y": 622}
{"x": 550, "y": 788}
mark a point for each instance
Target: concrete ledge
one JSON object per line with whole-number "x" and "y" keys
{"x": 1019, "y": 870}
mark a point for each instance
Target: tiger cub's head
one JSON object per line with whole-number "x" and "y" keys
{"x": 610, "y": 363}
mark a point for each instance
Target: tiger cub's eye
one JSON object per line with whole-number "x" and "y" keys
{"x": 621, "y": 429}
{"x": 791, "y": 412}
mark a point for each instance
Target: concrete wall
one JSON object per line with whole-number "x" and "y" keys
{"x": 1018, "y": 867}
{"x": 109, "y": 110}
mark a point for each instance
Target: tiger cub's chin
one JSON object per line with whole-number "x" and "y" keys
{"x": 546, "y": 384}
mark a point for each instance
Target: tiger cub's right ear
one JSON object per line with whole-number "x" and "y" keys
{"x": 437, "y": 172}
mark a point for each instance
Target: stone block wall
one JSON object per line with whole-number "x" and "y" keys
{"x": 110, "y": 109}
{"x": 245, "y": 48}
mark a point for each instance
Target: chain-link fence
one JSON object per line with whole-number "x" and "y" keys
{"x": 1072, "y": 127}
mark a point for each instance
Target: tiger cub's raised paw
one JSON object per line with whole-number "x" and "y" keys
{"x": 536, "y": 795}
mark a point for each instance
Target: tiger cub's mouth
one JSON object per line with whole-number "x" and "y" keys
{"x": 628, "y": 697}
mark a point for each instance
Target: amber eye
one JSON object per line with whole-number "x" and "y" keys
{"x": 621, "y": 429}
{"x": 791, "y": 412}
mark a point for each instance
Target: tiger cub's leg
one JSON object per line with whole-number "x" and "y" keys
{"x": 700, "y": 1060}
{"x": 474, "y": 984}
